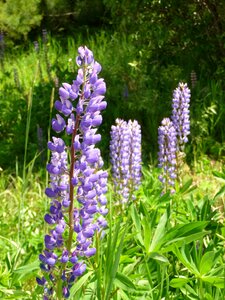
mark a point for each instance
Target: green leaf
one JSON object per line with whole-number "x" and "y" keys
{"x": 189, "y": 292}
{"x": 179, "y": 282}
{"x": 184, "y": 230}
{"x": 180, "y": 241}
{"x": 187, "y": 262}
{"x": 111, "y": 272}
{"x": 219, "y": 282}
{"x": 159, "y": 257}
{"x": 147, "y": 233}
{"x": 28, "y": 268}
{"x": 207, "y": 262}
{"x": 125, "y": 280}
{"x": 159, "y": 233}
{"x": 75, "y": 288}
{"x": 137, "y": 223}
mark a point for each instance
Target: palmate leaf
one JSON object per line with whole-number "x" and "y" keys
{"x": 185, "y": 230}
{"x": 183, "y": 234}
{"x": 180, "y": 241}
{"x": 189, "y": 292}
{"x": 186, "y": 261}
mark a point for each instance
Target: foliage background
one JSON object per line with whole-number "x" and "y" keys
{"x": 145, "y": 48}
{"x": 174, "y": 245}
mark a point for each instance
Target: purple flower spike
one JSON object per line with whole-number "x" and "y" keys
{"x": 125, "y": 153}
{"x": 167, "y": 154}
{"x": 181, "y": 114}
{"x": 75, "y": 175}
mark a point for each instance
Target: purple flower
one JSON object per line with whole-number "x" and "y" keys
{"x": 125, "y": 153}
{"x": 167, "y": 154}
{"x": 181, "y": 114}
{"x": 75, "y": 175}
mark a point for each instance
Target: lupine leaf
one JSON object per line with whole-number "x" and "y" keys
{"x": 214, "y": 280}
{"x": 137, "y": 223}
{"x": 113, "y": 269}
{"x": 159, "y": 257}
{"x": 75, "y": 288}
{"x": 185, "y": 261}
{"x": 180, "y": 241}
{"x": 159, "y": 233}
{"x": 189, "y": 292}
{"x": 207, "y": 262}
{"x": 125, "y": 280}
{"x": 179, "y": 282}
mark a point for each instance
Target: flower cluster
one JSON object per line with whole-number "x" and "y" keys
{"x": 167, "y": 154}
{"x": 75, "y": 174}
{"x": 180, "y": 113}
{"x": 172, "y": 137}
{"x": 125, "y": 153}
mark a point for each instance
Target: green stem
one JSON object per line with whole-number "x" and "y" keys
{"x": 71, "y": 195}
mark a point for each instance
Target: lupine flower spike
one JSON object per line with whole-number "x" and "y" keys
{"x": 77, "y": 183}
{"x": 181, "y": 114}
{"x": 125, "y": 153}
{"x": 181, "y": 122}
{"x": 167, "y": 154}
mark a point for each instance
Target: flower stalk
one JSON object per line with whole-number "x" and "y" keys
{"x": 77, "y": 185}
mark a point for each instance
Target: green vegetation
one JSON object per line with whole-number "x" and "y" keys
{"x": 158, "y": 247}
{"x": 155, "y": 248}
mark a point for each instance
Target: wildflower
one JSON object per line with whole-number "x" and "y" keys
{"x": 167, "y": 154}
{"x": 181, "y": 114}
{"x": 125, "y": 153}
{"x": 75, "y": 174}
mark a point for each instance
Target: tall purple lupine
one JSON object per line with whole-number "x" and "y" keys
{"x": 77, "y": 183}
{"x": 167, "y": 154}
{"x": 181, "y": 114}
{"x": 125, "y": 153}
{"x": 172, "y": 135}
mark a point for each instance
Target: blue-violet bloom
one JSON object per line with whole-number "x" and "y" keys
{"x": 77, "y": 182}
{"x": 167, "y": 142}
{"x": 125, "y": 154}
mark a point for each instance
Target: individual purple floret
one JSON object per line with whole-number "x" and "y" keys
{"x": 77, "y": 182}
{"x": 125, "y": 153}
{"x": 167, "y": 154}
{"x": 181, "y": 114}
